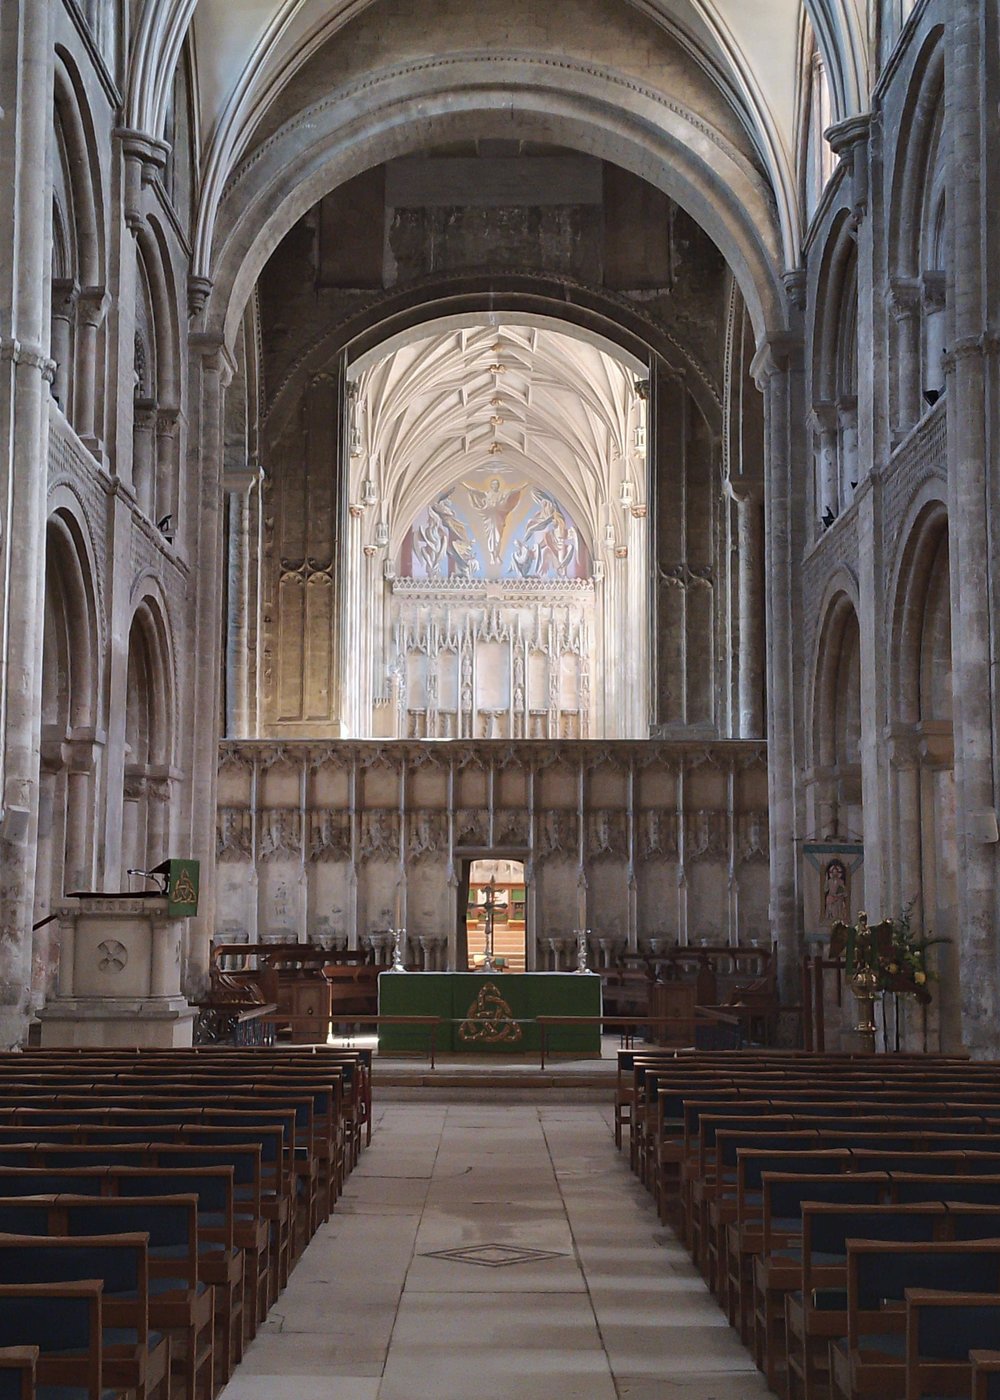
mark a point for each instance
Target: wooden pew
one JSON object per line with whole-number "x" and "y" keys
{"x": 942, "y": 1329}
{"x": 985, "y": 1374}
{"x": 870, "y": 1361}
{"x": 17, "y": 1372}
{"x": 133, "y": 1359}
{"x": 178, "y": 1303}
{"x": 65, "y": 1323}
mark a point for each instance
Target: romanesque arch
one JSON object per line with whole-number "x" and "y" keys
{"x": 79, "y": 271}
{"x": 922, "y": 774}
{"x": 149, "y": 737}
{"x": 70, "y": 744}
{"x": 835, "y": 375}
{"x": 917, "y": 241}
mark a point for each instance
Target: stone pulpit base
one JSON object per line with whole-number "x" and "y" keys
{"x": 119, "y": 976}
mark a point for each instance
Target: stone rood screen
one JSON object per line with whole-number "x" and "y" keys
{"x": 337, "y": 841}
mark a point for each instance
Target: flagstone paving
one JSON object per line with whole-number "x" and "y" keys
{"x": 495, "y": 1252}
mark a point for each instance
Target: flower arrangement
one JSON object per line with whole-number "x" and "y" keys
{"x": 891, "y": 950}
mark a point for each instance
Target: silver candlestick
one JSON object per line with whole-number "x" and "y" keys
{"x": 398, "y": 950}
{"x": 582, "y": 949}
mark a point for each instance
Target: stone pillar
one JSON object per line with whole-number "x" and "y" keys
{"x": 777, "y": 370}
{"x": 79, "y": 866}
{"x": 824, "y": 424}
{"x": 25, "y": 374}
{"x": 91, "y": 310}
{"x": 167, "y": 468}
{"x": 850, "y": 474}
{"x": 906, "y": 313}
{"x": 872, "y": 568}
{"x": 750, "y": 543}
{"x": 212, "y": 369}
{"x": 972, "y": 369}
{"x": 65, "y": 294}
{"x": 933, "y": 287}
{"x": 239, "y": 486}
{"x": 144, "y": 455}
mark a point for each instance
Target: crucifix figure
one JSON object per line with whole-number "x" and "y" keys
{"x": 489, "y": 910}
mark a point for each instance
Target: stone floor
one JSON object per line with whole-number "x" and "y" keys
{"x": 494, "y": 1252}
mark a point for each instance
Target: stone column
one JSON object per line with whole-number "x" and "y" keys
{"x": 750, "y": 544}
{"x": 91, "y": 309}
{"x": 166, "y": 504}
{"x": 850, "y": 472}
{"x": 933, "y": 287}
{"x": 212, "y": 369}
{"x": 79, "y": 866}
{"x": 824, "y": 425}
{"x": 906, "y": 313}
{"x": 144, "y": 455}
{"x": 872, "y": 567}
{"x": 238, "y": 486}
{"x": 159, "y": 791}
{"x": 26, "y": 372}
{"x": 777, "y": 370}
{"x": 972, "y": 370}
{"x": 65, "y": 294}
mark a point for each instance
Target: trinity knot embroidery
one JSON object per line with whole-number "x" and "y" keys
{"x": 184, "y": 891}
{"x": 490, "y": 1020}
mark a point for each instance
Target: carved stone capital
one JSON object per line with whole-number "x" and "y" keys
{"x": 65, "y": 295}
{"x": 905, "y": 298}
{"x": 92, "y": 306}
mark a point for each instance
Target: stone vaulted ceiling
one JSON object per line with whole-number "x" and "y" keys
{"x": 514, "y": 402}
{"x": 246, "y": 54}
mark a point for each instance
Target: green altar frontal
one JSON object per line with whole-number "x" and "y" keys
{"x": 490, "y": 1013}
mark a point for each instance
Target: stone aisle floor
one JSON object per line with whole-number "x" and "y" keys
{"x": 584, "y": 1295}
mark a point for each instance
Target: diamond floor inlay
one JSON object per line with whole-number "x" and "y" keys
{"x": 493, "y": 1256}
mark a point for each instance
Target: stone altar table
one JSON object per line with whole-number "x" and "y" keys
{"x": 490, "y": 1013}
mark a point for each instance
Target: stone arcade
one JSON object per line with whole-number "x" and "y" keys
{"x": 560, "y": 433}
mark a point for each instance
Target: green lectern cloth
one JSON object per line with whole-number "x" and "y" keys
{"x": 490, "y": 1013}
